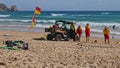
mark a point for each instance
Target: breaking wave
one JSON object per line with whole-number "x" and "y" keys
{"x": 53, "y": 14}
{"x": 4, "y": 15}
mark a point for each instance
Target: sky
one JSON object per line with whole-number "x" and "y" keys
{"x": 65, "y": 5}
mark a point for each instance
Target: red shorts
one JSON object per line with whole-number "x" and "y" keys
{"x": 87, "y": 34}
{"x": 79, "y": 35}
{"x": 106, "y": 36}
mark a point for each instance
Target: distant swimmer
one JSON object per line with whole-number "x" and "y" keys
{"x": 113, "y": 27}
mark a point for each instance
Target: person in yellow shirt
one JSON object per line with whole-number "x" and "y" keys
{"x": 72, "y": 26}
{"x": 106, "y": 33}
{"x": 72, "y": 30}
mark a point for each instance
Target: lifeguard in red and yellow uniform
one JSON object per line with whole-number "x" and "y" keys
{"x": 87, "y": 32}
{"x": 106, "y": 33}
{"x": 79, "y": 31}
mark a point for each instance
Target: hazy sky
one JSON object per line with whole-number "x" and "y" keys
{"x": 69, "y": 5}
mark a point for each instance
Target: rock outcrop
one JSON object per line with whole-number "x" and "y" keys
{"x": 14, "y": 8}
{"x": 3, "y": 8}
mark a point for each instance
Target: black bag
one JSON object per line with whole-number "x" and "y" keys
{"x": 25, "y": 46}
{"x": 9, "y": 43}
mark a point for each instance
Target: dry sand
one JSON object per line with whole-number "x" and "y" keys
{"x": 61, "y": 54}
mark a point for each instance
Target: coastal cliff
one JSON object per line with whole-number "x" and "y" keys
{"x": 3, "y": 8}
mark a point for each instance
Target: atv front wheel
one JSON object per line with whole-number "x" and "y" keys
{"x": 49, "y": 37}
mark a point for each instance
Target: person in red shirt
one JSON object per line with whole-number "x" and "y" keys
{"x": 87, "y": 32}
{"x": 79, "y": 31}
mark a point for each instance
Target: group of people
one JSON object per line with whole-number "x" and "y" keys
{"x": 79, "y": 32}
{"x": 87, "y": 32}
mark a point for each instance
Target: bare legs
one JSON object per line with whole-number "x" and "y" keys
{"x": 79, "y": 38}
{"x": 107, "y": 40}
{"x": 87, "y": 39}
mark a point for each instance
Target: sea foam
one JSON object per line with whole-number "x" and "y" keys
{"x": 4, "y": 15}
{"x": 53, "y": 14}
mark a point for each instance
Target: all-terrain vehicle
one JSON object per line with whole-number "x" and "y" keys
{"x": 61, "y": 33}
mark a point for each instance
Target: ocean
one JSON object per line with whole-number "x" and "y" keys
{"x": 97, "y": 19}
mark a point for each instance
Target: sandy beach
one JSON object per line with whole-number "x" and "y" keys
{"x": 25, "y": 41}
{"x": 58, "y": 54}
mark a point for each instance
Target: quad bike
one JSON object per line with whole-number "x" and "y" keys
{"x": 61, "y": 33}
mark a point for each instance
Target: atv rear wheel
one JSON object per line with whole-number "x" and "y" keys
{"x": 58, "y": 37}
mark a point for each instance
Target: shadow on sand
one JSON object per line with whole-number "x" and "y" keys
{"x": 38, "y": 39}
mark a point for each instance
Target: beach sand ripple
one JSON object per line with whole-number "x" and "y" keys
{"x": 61, "y": 54}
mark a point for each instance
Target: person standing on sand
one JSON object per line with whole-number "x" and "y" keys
{"x": 72, "y": 30}
{"x": 106, "y": 33}
{"x": 79, "y": 31}
{"x": 87, "y": 32}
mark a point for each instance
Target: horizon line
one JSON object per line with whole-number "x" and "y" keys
{"x": 71, "y": 10}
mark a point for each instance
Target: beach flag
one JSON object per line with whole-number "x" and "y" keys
{"x": 37, "y": 12}
{"x": 33, "y": 21}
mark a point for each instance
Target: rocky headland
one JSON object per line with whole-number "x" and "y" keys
{"x": 4, "y": 7}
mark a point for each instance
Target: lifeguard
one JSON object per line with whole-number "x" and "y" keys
{"x": 87, "y": 32}
{"x": 79, "y": 31}
{"x": 106, "y": 33}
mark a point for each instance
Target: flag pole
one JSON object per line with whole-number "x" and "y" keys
{"x": 36, "y": 12}
{"x": 33, "y": 20}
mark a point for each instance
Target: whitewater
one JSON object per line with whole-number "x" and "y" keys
{"x": 97, "y": 19}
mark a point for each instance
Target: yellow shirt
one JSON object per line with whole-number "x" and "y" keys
{"x": 106, "y": 31}
{"x": 72, "y": 27}
{"x": 87, "y": 27}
